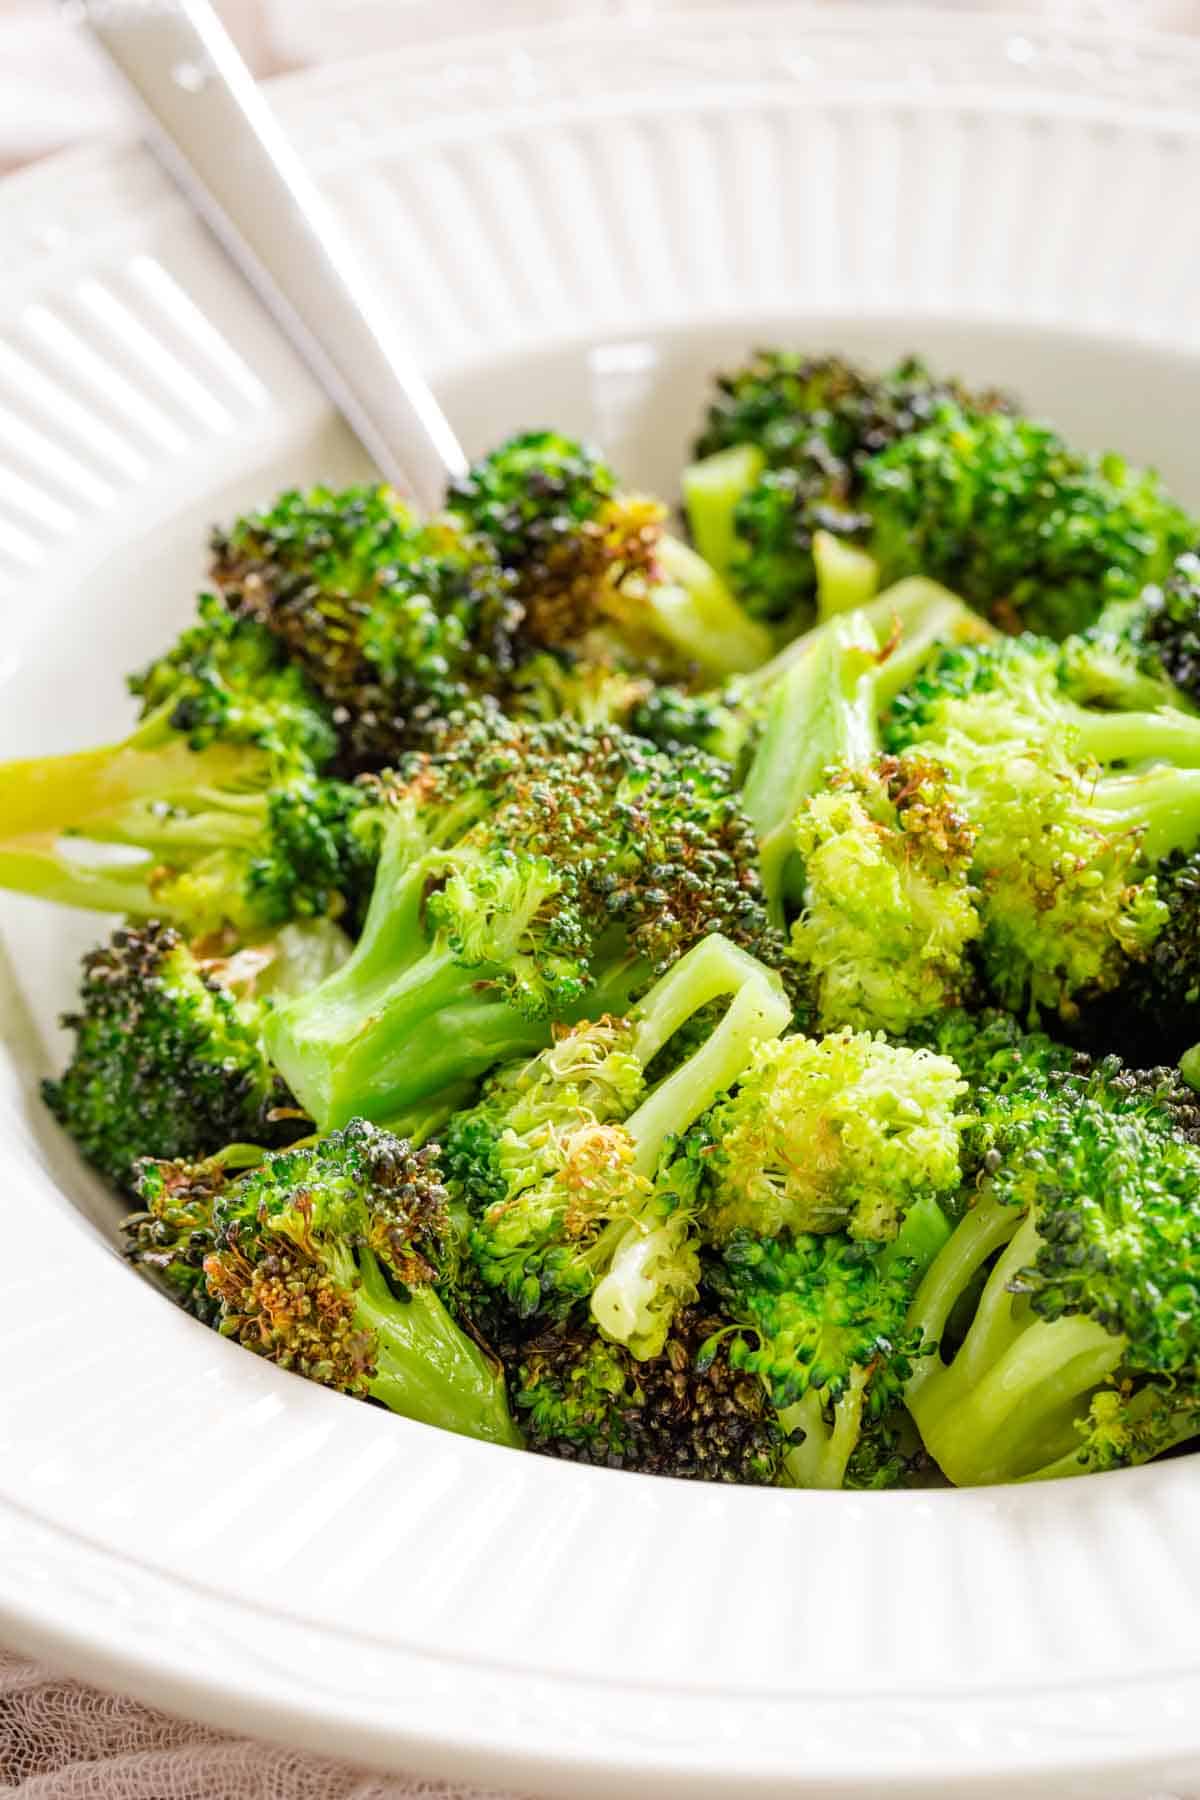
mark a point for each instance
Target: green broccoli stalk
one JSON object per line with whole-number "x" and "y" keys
{"x": 212, "y": 812}
{"x": 527, "y": 874}
{"x": 596, "y": 576}
{"x": 1126, "y": 1426}
{"x": 687, "y": 1412}
{"x": 1088, "y": 1208}
{"x": 166, "y": 1062}
{"x": 845, "y": 1132}
{"x": 888, "y": 911}
{"x": 820, "y": 713}
{"x": 569, "y": 1162}
{"x": 337, "y": 1261}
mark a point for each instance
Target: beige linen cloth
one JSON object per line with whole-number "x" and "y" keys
{"x": 60, "y": 1740}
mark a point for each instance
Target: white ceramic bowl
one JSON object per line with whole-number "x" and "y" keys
{"x": 574, "y": 227}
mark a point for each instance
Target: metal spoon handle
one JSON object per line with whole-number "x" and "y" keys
{"x": 214, "y": 132}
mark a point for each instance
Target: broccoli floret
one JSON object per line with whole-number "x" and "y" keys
{"x": 225, "y": 680}
{"x": 844, "y": 1132}
{"x": 394, "y": 622}
{"x": 888, "y": 913}
{"x": 166, "y": 1062}
{"x": 687, "y": 1412}
{"x": 173, "y": 1233}
{"x": 1071, "y": 825}
{"x": 1088, "y": 1202}
{"x": 595, "y": 574}
{"x": 527, "y": 874}
{"x": 1025, "y": 528}
{"x": 823, "y": 1323}
{"x": 213, "y": 812}
{"x": 337, "y": 1261}
{"x": 784, "y": 449}
{"x": 569, "y": 1162}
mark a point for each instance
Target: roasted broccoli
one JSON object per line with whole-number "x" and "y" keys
{"x": 1088, "y": 1202}
{"x": 889, "y": 914}
{"x": 337, "y": 1261}
{"x": 527, "y": 874}
{"x": 1074, "y": 811}
{"x": 690, "y": 1009}
{"x": 213, "y": 812}
{"x": 570, "y": 1163}
{"x": 844, "y": 1132}
{"x": 823, "y": 1322}
{"x": 687, "y": 1412}
{"x": 1025, "y": 528}
{"x": 598, "y": 579}
{"x": 784, "y": 452}
{"x": 394, "y": 622}
{"x": 166, "y": 1063}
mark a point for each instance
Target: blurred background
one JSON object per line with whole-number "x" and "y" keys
{"x": 51, "y": 90}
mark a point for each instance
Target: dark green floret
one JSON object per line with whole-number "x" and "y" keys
{"x": 688, "y": 1412}
{"x": 338, "y": 1261}
{"x": 599, "y": 581}
{"x": 823, "y": 1323}
{"x": 784, "y": 452}
{"x": 1025, "y": 528}
{"x": 393, "y": 621}
{"x": 527, "y": 874}
{"x": 167, "y": 1063}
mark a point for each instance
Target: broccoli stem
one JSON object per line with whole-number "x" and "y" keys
{"x": 986, "y": 1228}
{"x": 150, "y": 793}
{"x": 847, "y": 577}
{"x": 712, "y": 488}
{"x": 1163, "y": 735}
{"x": 1017, "y": 1380}
{"x": 992, "y": 1433}
{"x": 758, "y": 1009}
{"x": 914, "y": 612}
{"x": 821, "y": 712}
{"x": 1070, "y": 1459}
{"x": 1162, "y": 806}
{"x": 427, "y": 1368}
{"x": 48, "y": 872}
{"x": 695, "y": 612}
{"x": 820, "y": 1459}
{"x": 370, "y": 1049}
{"x": 922, "y": 1236}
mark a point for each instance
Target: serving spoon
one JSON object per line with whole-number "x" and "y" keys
{"x": 210, "y": 125}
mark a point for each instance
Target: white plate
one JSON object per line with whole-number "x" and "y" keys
{"x": 574, "y": 227}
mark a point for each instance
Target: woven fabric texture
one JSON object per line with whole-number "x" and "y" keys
{"x": 60, "y": 1740}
